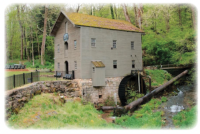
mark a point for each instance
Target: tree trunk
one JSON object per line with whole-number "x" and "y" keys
{"x": 38, "y": 45}
{"x": 115, "y": 10}
{"x": 134, "y": 104}
{"x": 21, "y": 28}
{"x": 32, "y": 47}
{"x": 179, "y": 14}
{"x": 167, "y": 21}
{"x": 44, "y": 36}
{"x": 126, "y": 13}
{"x": 78, "y": 8}
{"x": 139, "y": 15}
{"x": 194, "y": 18}
{"x": 112, "y": 12}
{"x": 135, "y": 11}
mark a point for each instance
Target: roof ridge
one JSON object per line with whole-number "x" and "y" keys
{"x": 95, "y": 21}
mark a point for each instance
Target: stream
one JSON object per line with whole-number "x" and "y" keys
{"x": 185, "y": 99}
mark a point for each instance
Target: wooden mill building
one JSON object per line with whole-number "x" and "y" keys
{"x": 96, "y": 48}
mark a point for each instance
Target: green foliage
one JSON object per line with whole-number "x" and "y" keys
{"x": 69, "y": 115}
{"x": 37, "y": 64}
{"x": 163, "y": 99}
{"x": 144, "y": 117}
{"x": 186, "y": 118}
{"x": 158, "y": 77}
{"x": 109, "y": 101}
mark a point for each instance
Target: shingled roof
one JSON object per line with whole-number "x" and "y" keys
{"x": 78, "y": 19}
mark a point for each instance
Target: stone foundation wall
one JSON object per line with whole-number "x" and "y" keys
{"x": 99, "y": 94}
{"x": 16, "y": 98}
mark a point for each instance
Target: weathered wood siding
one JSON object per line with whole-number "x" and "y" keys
{"x": 103, "y": 51}
{"x": 71, "y": 54}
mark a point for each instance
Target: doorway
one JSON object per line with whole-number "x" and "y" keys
{"x": 66, "y": 67}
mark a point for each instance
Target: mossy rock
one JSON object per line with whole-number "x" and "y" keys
{"x": 62, "y": 100}
{"x": 37, "y": 92}
{"x": 16, "y": 110}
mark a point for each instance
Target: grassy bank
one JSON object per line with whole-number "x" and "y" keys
{"x": 186, "y": 118}
{"x": 47, "y": 113}
{"x": 146, "y": 117}
{"x": 158, "y": 77}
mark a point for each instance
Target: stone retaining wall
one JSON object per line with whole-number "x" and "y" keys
{"x": 16, "y": 98}
{"x": 99, "y": 94}
{"x": 83, "y": 88}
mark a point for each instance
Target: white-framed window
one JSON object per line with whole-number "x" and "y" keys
{"x": 114, "y": 63}
{"x": 75, "y": 65}
{"x": 58, "y": 48}
{"x": 93, "y": 42}
{"x": 132, "y": 45}
{"x": 75, "y": 43}
{"x": 133, "y": 63}
{"x": 114, "y": 43}
{"x": 58, "y": 66}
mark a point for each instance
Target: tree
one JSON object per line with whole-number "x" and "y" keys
{"x": 194, "y": 17}
{"x": 112, "y": 12}
{"x": 126, "y": 13}
{"x": 44, "y": 36}
{"x": 21, "y": 28}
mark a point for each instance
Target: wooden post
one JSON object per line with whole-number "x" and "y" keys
{"x": 31, "y": 77}
{"x": 73, "y": 74}
{"x": 134, "y": 104}
{"x": 141, "y": 84}
{"x": 14, "y": 81}
{"x": 24, "y": 77}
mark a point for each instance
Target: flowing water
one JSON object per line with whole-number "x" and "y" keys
{"x": 185, "y": 99}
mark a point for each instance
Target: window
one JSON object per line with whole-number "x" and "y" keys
{"x": 58, "y": 66}
{"x": 58, "y": 48}
{"x": 114, "y": 63}
{"x": 133, "y": 63}
{"x": 74, "y": 44}
{"x": 132, "y": 45}
{"x": 93, "y": 69}
{"x": 75, "y": 64}
{"x": 66, "y": 45}
{"x": 93, "y": 42}
{"x": 114, "y": 44}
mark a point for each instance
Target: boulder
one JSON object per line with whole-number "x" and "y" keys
{"x": 77, "y": 99}
{"x": 37, "y": 92}
{"x": 62, "y": 99}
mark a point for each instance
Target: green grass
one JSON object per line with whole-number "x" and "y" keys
{"x": 144, "y": 117}
{"x": 186, "y": 118}
{"x": 158, "y": 77}
{"x": 7, "y": 74}
{"x": 69, "y": 115}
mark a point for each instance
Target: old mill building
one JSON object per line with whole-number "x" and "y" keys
{"x": 96, "y": 48}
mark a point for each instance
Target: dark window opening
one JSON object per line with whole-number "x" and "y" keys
{"x": 114, "y": 63}
{"x": 100, "y": 96}
{"x": 114, "y": 44}
{"x": 93, "y": 69}
{"x": 133, "y": 63}
{"x": 66, "y": 45}
{"x": 93, "y": 42}
{"x": 132, "y": 45}
{"x": 75, "y": 44}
